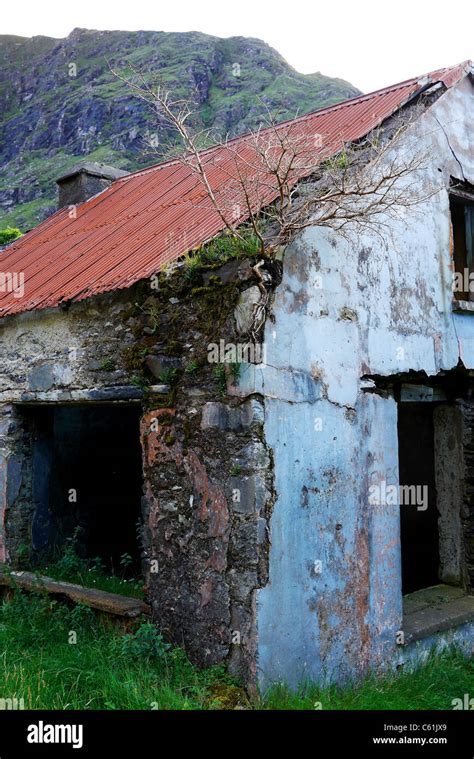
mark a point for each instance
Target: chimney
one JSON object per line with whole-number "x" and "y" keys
{"x": 85, "y": 180}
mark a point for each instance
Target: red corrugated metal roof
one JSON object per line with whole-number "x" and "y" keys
{"x": 153, "y": 216}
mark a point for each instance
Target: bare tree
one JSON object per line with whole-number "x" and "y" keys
{"x": 282, "y": 178}
{"x": 286, "y": 175}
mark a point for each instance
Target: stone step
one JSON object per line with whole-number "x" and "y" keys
{"x": 435, "y": 609}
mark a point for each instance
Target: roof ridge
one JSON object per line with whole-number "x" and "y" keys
{"x": 336, "y": 106}
{"x": 107, "y": 246}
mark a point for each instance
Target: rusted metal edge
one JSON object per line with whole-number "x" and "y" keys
{"x": 130, "y": 230}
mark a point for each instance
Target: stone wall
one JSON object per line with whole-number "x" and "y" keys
{"x": 16, "y": 503}
{"x": 207, "y": 471}
{"x": 59, "y": 354}
{"x": 467, "y": 514}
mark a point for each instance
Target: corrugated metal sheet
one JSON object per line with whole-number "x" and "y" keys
{"x": 153, "y": 216}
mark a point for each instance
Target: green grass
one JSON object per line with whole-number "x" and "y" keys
{"x": 95, "y": 577}
{"x": 106, "y": 669}
{"x": 433, "y": 685}
{"x": 102, "y": 670}
{"x": 70, "y": 567}
{"x": 222, "y": 249}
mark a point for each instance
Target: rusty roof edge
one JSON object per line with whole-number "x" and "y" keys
{"x": 115, "y": 267}
{"x": 466, "y": 65}
{"x": 425, "y": 87}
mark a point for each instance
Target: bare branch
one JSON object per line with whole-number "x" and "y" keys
{"x": 292, "y": 179}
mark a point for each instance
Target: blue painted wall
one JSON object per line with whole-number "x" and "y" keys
{"x": 345, "y": 310}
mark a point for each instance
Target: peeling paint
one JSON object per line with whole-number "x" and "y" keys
{"x": 380, "y": 307}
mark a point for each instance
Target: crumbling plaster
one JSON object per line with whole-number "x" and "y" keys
{"x": 346, "y": 309}
{"x": 329, "y": 604}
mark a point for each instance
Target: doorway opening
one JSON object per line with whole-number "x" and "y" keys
{"x": 87, "y": 483}
{"x": 420, "y": 539}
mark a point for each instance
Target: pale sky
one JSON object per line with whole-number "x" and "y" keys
{"x": 371, "y": 44}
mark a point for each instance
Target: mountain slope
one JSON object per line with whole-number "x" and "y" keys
{"x": 54, "y": 113}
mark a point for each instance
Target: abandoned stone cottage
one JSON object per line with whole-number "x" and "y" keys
{"x": 270, "y": 534}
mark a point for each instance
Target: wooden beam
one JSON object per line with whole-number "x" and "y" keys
{"x": 110, "y": 603}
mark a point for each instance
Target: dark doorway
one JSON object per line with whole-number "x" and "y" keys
{"x": 87, "y": 481}
{"x": 419, "y": 528}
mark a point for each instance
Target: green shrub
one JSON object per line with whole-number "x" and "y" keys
{"x": 146, "y": 641}
{"x": 107, "y": 365}
{"x": 9, "y": 234}
{"x": 168, "y": 376}
{"x": 192, "y": 368}
{"x": 91, "y": 572}
{"x": 220, "y": 378}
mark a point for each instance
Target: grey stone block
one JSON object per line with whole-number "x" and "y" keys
{"x": 244, "y": 311}
{"x": 42, "y": 377}
{"x": 232, "y": 271}
{"x": 219, "y": 416}
{"x": 262, "y": 530}
{"x": 252, "y": 491}
{"x": 242, "y": 584}
{"x": 254, "y": 454}
{"x": 244, "y": 544}
{"x": 158, "y": 364}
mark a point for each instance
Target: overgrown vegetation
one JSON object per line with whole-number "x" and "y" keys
{"x": 218, "y": 251}
{"x": 220, "y": 377}
{"x": 102, "y": 670}
{"x": 168, "y": 376}
{"x": 107, "y": 365}
{"x": 8, "y": 234}
{"x": 69, "y": 566}
{"x": 192, "y": 368}
{"x": 193, "y": 288}
{"x": 105, "y": 669}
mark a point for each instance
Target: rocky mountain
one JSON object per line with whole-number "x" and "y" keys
{"x": 60, "y": 102}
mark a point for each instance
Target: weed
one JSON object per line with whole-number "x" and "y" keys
{"x": 107, "y": 365}
{"x": 23, "y": 556}
{"x": 139, "y": 381}
{"x": 192, "y": 368}
{"x": 70, "y": 567}
{"x": 192, "y": 264}
{"x": 220, "y": 378}
{"x": 168, "y": 376}
{"x": 235, "y": 369}
{"x": 126, "y": 561}
{"x": 151, "y": 309}
{"x": 146, "y": 641}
